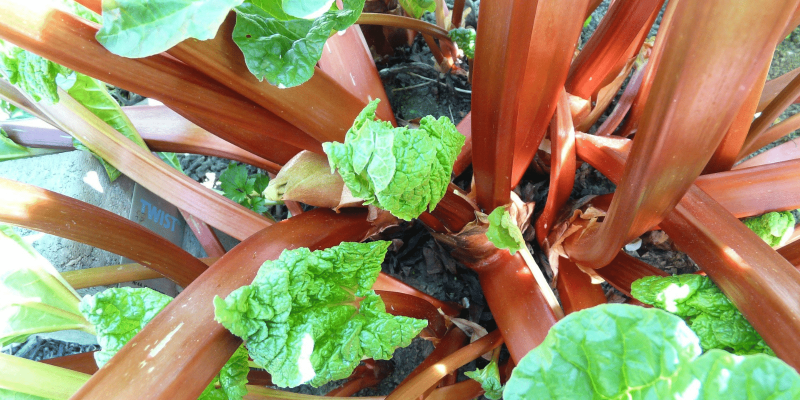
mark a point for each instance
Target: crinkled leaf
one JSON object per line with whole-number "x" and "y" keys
{"x": 403, "y": 171}
{"x": 307, "y": 9}
{"x": 617, "y": 351}
{"x": 32, "y": 74}
{"x": 707, "y": 311}
{"x": 135, "y": 28}
{"x": 465, "y": 39}
{"x": 489, "y": 378}
{"x": 416, "y": 8}
{"x": 775, "y": 227}
{"x": 230, "y": 383}
{"x": 299, "y": 317}
{"x": 503, "y": 231}
{"x": 285, "y": 52}
{"x": 35, "y": 298}
{"x": 118, "y": 314}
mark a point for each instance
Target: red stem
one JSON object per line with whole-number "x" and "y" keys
{"x": 45, "y": 211}
{"x": 187, "y": 326}
{"x": 562, "y": 167}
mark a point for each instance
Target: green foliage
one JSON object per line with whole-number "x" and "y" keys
{"x": 489, "y": 378}
{"x": 416, "y": 8}
{"x": 307, "y": 9}
{"x": 6, "y": 394}
{"x": 136, "y": 28}
{"x": 403, "y": 171}
{"x": 35, "y": 298}
{"x": 587, "y": 22}
{"x": 503, "y": 232}
{"x": 285, "y": 50}
{"x": 118, "y": 314}
{"x": 247, "y": 190}
{"x": 775, "y": 227}
{"x": 34, "y": 75}
{"x": 41, "y": 78}
{"x": 706, "y": 310}
{"x": 9, "y": 150}
{"x": 311, "y": 316}
{"x": 465, "y": 39}
{"x": 617, "y": 351}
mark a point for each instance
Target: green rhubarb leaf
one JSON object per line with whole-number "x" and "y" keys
{"x": 489, "y": 378}
{"x": 416, "y": 8}
{"x": 171, "y": 159}
{"x": 465, "y": 39}
{"x": 617, "y": 351}
{"x": 301, "y": 318}
{"x": 93, "y": 95}
{"x": 135, "y": 28}
{"x": 503, "y": 232}
{"x": 403, "y": 171}
{"x": 118, "y": 314}
{"x": 307, "y": 9}
{"x": 35, "y": 298}
{"x": 775, "y": 227}
{"x": 707, "y": 311}
{"x": 32, "y": 74}
{"x": 285, "y": 52}
{"x": 9, "y": 150}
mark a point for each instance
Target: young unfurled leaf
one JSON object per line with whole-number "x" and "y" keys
{"x": 246, "y": 190}
{"x": 35, "y": 298}
{"x": 416, "y": 8}
{"x": 503, "y": 231}
{"x": 617, "y": 351}
{"x": 284, "y": 52}
{"x": 120, "y": 313}
{"x": 707, "y": 310}
{"x": 9, "y": 150}
{"x": 312, "y": 316}
{"x": 465, "y": 39}
{"x": 489, "y": 378}
{"x": 775, "y": 227}
{"x": 32, "y": 74}
{"x": 403, "y": 171}
{"x": 135, "y": 28}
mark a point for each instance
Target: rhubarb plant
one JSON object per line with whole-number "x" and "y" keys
{"x": 616, "y": 351}
{"x": 707, "y": 311}
{"x": 281, "y": 41}
{"x": 775, "y": 228}
{"x": 118, "y": 314}
{"x": 311, "y": 316}
{"x": 503, "y": 231}
{"x": 403, "y": 171}
{"x": 36, "y": 299}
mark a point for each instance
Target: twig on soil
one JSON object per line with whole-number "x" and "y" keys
{"x": 410, "y": 87}
{"x": 441, "y": 83}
